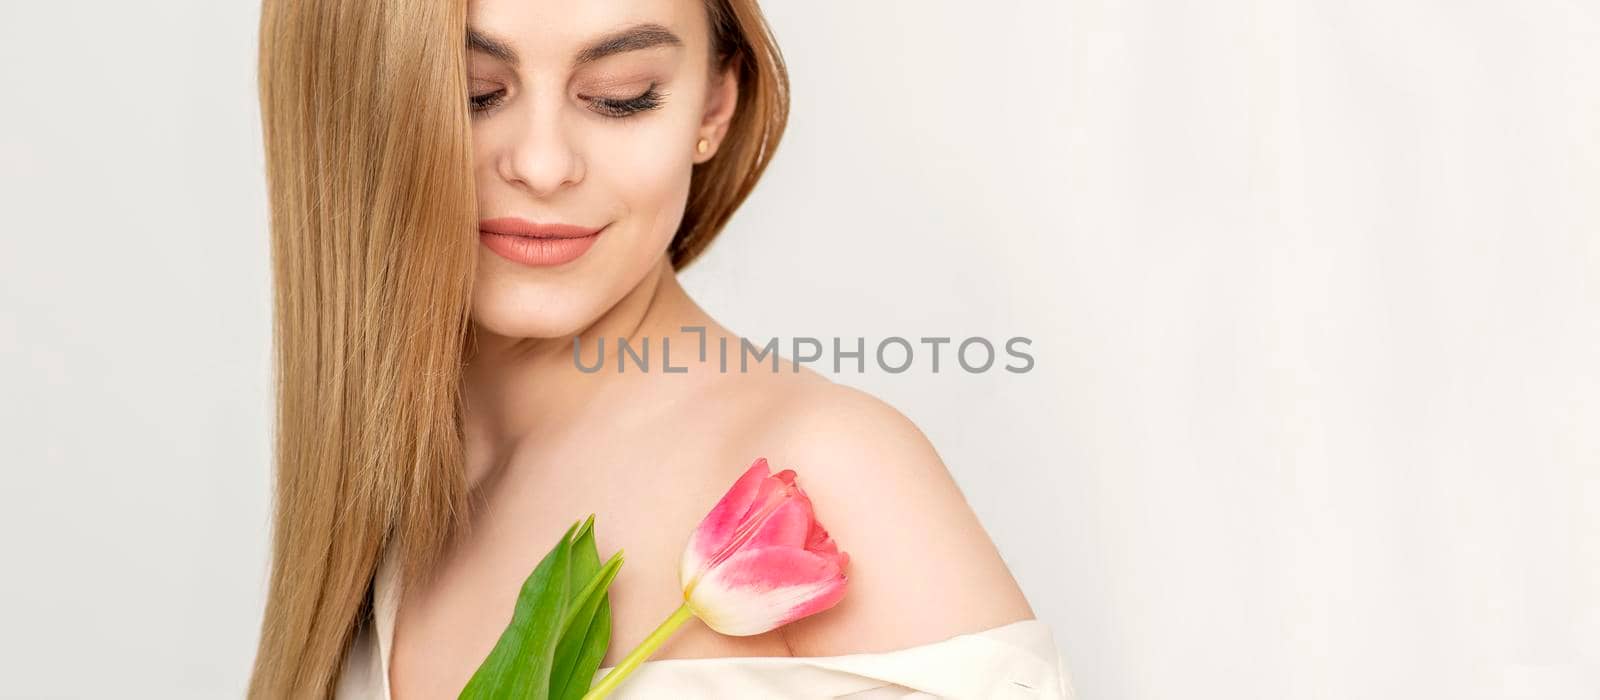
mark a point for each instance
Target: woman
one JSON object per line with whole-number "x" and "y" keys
{"x": 463, "y": 191}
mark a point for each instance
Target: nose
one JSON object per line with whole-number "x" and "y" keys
{"x": 542, "y": 157}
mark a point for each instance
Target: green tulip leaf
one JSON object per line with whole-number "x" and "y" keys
{"x": 559, "y": 629}
{"x": 586, "y": 634}
{"x": 575, "y": 661}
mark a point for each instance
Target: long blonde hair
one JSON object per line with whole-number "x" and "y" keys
{"x": 373, "y": 219}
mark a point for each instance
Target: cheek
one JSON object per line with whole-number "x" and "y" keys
{"x": 645, "y": 168}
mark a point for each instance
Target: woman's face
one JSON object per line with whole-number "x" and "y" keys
{"x": 585, "y": 115}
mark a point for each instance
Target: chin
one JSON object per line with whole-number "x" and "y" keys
{"x": 513, "y": 301}
{"x": 528, "y": 308}
{"x": 519, "y": 318}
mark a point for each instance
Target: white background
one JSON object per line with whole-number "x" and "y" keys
{"x": 1312, "y": 288}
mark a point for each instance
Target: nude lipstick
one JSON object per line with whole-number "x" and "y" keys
{"x": 537, "y": 245}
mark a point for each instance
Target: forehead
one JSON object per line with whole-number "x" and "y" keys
{"x": 552, "y": 31}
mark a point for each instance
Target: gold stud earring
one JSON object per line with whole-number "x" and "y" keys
{"x": 702, "y": 146}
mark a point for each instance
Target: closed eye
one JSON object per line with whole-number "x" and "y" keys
{"x": 651, "y": 98}
{"x": 486, "y": 101}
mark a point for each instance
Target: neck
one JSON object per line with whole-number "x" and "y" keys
{"x": 516, "y": 389}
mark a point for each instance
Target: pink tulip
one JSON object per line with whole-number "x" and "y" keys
{"x": 760, "y": 560}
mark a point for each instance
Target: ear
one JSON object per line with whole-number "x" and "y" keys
{"x": 721, "y": 99}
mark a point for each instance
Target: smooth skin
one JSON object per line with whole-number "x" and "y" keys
{"x": 650, "y": 453}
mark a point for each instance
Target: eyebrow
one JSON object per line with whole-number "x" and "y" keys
{"x": 639, "y": 36}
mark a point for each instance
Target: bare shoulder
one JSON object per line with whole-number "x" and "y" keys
{"x": 922, "y": 568}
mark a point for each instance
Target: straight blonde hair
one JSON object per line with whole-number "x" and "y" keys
{"x": 374, "y": 237}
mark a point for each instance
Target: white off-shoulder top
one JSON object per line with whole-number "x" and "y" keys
{"x": 1014, "y": 661}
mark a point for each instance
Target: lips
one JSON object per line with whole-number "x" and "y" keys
{"x": 536, "y": 245}
{"x": 511, "y": 226}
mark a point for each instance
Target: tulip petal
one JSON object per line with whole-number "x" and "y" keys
{"x": 787, "y": 526}
{"x": 772, "y": 495}
{"x": 719, "y": 525}
{"x": 758, "y": 590}
{"x": 818, "y": 542}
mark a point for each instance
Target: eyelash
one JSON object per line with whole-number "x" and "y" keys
{"x": 617, "y": 109}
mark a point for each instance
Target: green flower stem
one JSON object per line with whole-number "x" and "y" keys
{"x": 640, "y": 653}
